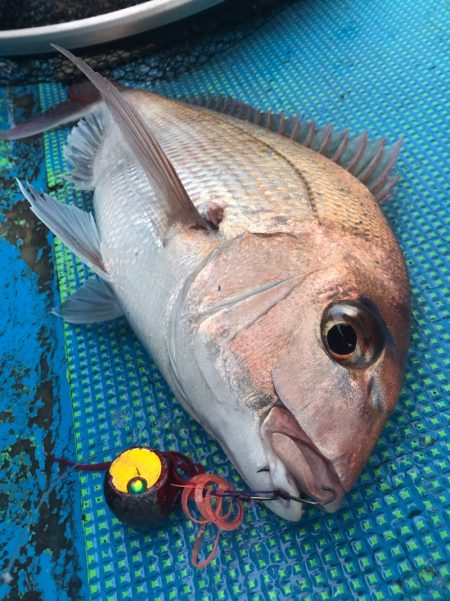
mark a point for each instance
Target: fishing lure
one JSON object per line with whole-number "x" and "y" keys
{"x": 139, "y": 483}
{"x": 143, "y": 485}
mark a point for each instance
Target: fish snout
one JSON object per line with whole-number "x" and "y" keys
{"x": 349, "y": 458}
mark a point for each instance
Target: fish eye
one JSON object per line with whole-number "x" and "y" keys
{"x": 352, "y": 334}
{"x": 342, "y": 339}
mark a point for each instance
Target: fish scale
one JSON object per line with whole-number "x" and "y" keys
{"x": 347, "y": 203}
{"x": 115, "y": 218}
{"x": 251, "y": 180}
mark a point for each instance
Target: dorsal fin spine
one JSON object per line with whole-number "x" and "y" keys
{"x": 326, "y": 139}
{"x": 296, "y": 128}
{"x": 310, "y": 134}
{"x": 342, "y": 146}
{"x": 369, "y": 169}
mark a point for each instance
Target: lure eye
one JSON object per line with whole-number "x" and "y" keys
{"x": 352, "y": 334}
{"x": 137, "y": 486}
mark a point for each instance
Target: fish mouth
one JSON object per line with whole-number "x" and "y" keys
{"x": 311, "y": 471}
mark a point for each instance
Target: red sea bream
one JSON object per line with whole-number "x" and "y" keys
{"x": 249, "y": 254}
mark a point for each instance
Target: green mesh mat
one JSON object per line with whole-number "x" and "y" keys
{"x": 378, "y": 66}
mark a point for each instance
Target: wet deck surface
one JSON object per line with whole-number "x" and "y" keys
{"x": 378, "y": 66}
{"x": 40, "y": 529}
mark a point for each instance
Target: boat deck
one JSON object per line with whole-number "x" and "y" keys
{"x": 84, "y": 391}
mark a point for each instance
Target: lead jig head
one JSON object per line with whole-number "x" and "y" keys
{"x": 136, "y": 487}
{"x": 138, "y": 484}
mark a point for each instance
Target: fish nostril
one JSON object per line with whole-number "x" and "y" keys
{"x": 373, "y": 396}
{"x": 279, "y": 404}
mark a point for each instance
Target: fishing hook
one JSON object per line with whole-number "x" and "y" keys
{"x": 272, "y": 495}
{"x": 284, "y": 495}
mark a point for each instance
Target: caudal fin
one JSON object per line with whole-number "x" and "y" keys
{"x": 82, "y": 97}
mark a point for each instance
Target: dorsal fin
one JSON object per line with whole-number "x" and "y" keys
{"x": 82, "y": 146}
{"x": 157, "y": 166}
{"x": 368, "y": 160}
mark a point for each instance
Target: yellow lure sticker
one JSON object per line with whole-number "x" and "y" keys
{"x": 132, "y": 463}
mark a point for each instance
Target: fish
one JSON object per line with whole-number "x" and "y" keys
{"x": 249, "y": 254}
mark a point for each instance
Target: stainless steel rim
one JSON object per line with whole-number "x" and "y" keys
{"x": 102, "y": 28}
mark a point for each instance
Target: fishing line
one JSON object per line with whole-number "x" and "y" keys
{"x": 217, "y": 502}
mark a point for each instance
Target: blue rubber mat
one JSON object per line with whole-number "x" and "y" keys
{"x": 41, "y": 542}
{"x": 379, "y": 66}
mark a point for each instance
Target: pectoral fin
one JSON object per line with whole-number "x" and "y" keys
{"x": 76, "y": 228}
{"x": 94, "y": 301}
{"x": 178, "y": 207}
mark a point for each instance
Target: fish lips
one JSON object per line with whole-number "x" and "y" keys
{"x": 312, "y": 472}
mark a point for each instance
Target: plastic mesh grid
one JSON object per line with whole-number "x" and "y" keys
{"x": 371, "y": 65}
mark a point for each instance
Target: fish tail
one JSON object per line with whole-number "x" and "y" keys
{"x": 82, "y": 98}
